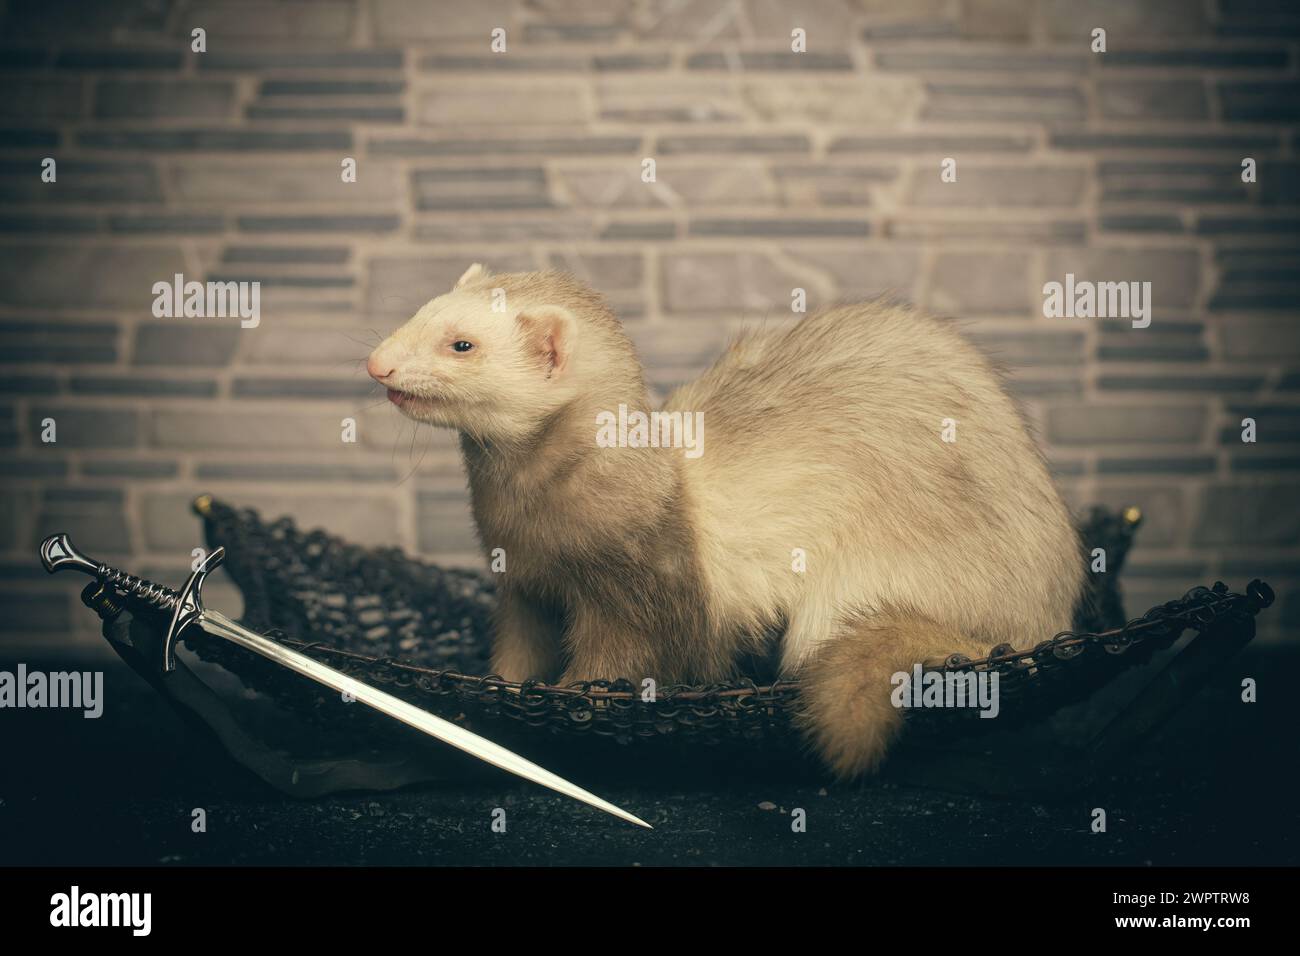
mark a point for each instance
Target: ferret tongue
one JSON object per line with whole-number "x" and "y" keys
{"x": 396, "y": 397}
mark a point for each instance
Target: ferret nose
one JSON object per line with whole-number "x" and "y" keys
{"x": 379, "y": 367}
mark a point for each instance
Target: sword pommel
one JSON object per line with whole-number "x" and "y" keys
{"x": 58, "y": 554}
{"x": 189, "y": 606}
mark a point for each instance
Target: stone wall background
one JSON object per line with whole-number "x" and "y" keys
{"x": 775, "y": 170}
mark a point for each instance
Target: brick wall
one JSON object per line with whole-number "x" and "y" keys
{"x": 775, "y": 170}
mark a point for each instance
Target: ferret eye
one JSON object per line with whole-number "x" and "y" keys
{"x": 462, "y": 346}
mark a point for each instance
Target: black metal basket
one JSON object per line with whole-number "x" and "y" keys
{"x": 422, "y": 632}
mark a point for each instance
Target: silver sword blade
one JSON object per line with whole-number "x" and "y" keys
{"x": 218, "y": 625}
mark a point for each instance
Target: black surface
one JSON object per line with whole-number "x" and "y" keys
{"x": 1216, "y": 786}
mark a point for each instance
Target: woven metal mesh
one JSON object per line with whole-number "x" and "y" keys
{"x": 422, "y": 632}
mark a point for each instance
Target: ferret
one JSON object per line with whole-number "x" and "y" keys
{"x": 866, "y": 489}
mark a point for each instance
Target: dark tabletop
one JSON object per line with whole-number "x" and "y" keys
{"x": 1215, "y": 787}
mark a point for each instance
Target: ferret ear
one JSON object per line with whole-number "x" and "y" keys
{"x": 473, "y": 272}
{"x": 549, "y": 334}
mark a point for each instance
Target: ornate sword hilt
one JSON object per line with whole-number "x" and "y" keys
{"x": 185, "y": 606}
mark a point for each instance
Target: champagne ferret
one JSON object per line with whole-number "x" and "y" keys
{"x": 865, "y": 487}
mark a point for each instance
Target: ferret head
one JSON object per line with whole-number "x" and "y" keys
{"x": 494, "y": 357}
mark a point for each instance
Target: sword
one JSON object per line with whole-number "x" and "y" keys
{"x": 187, "y": 610}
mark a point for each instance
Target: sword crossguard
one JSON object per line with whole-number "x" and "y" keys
{"x": 189, "y": 605}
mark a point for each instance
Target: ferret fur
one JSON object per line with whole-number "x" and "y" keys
{"x": 824, "y": 435}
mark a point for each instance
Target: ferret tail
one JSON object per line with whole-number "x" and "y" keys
{"x": 846, "y": 707}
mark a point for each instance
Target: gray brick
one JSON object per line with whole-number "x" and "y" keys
{"x": 173, "y": 342}
{"x": 1244, "y": 144}
{"x": 678, "y": 183}
{"x": 605, "y": 271}
{"x": 1254, "y": 464}
{"x": 1204, "y": 382}
{"x": 174, "y": 223}
{"x": 215, "y": 140}
{"x": 63, "y": 18}
{"x": 739, "y": 143}
{"x": 1254, "y": 18}
{"x": 1147, "y": 351}
{"x": 403, "y": 21}
{"x": 1277, "y": 423}
{"x": 822, "y": 184}
{"x": 329, "y": 388}
{"x": 514, "y": 227}
{"x": 1167, "y": 19}
{"x": 572, "y": 32}
{"x": 1260, "y": 102}
{"x": 290, "y": 255}
{"x": 80, "y": 181}
{"x": 445, "y": 523}
{"x": 1200, "y": 58}
{"x": 478, "y": 188}
{"x": 117, "y": 59}
{"x": 496, "y": 62}
{"x": 1255, "y": 514}
{"x": 1036, "y": 231}
{"x": 282, "y": 345}
{"x": 1169, "y": 465}
{"x": 245, "y": 428}
{"x": 1152, "y": 99}
{"x": 358, "y": 112}
{"x": 32, "y": 468}
{"x": 1174, "y": 274}
{"x": 1164, "y": 225}
{"x": 41, "y": 98}
{"x": 648, "y": 230}
{"x": 762, "y": 61}
{"x": 931, "y": 144}
{"x": 144, "y": 387}
{"x": 296, "y": 20}
{"x": 401, "y": 285}
{"x": 1003, "y": 61}
{"x": 1001, "y": 186}
{"x": 757, "y": 228}
{"x": 49, "y": 225}
{"x": 169, "y": 99}
{"x": 79, "y": 427}
{"x": 268, "y": 281}
{"x": 29, "y": 613}
{"x": 11, "y": 384}
{"x": 1084, "y": 424}
{"x": 1030, "y": 348}
{"x": 294, "y": 471}
{"x": 630, "y": 62}
{"x": 295, "y": 58}
{"x": 133, "y": 468}
{"x": 736, "y": 283}
{"x": 515, "y": 145}
{"x": 309, "y": 179}
{"x": 28, "y": 137}
{"x": 1247, "y": 225}
{"x": 978, "y": 283}
{"x": 37, "y": 274}
{"x": 1259, "y": 338}
{"x": 61, "y": 342}
{"x": 1003, "y": 103}
{"x": 861, "y": 272}
{"x": 316, "y": 224}
{"x": 455, "y": 105}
